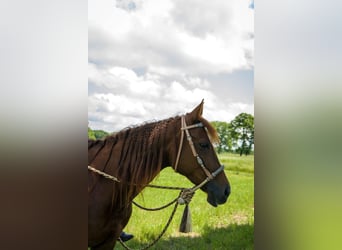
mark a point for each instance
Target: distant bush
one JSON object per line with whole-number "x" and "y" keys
{"x": 96, "y": 134}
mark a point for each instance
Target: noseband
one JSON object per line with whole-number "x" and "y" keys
{"x": 186, "y": 128}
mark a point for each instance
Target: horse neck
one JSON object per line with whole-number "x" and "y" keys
{"x": 143, "y": 159}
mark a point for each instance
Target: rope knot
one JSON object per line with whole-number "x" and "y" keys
{"x": 185, "y": 196}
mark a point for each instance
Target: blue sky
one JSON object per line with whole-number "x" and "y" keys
{"x": 152, "y": 59}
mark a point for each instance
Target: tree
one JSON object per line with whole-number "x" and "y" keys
{"x": 96, "y": 134}
{"x": 242, "y": 132}
{"x": 99, "y": 134}
{"x": 91, "y": 134}
{"x": 225, "y": 144}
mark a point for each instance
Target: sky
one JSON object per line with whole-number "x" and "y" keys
{"x": 153, "y": 59}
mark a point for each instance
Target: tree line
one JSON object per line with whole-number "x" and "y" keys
{"x": 235, "y": 136}
{"x": 96, "y": 134}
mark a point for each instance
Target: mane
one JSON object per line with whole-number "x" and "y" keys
{"x": 134, "y": 154}
{"x": 142, "y": 153}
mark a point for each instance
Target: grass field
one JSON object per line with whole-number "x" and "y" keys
{"x": 229, "y": 226}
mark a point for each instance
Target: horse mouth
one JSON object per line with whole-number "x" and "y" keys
{"x": 211, "y": 201}
{"x": 214, "y": 201}
{"x": 216, "y": 196}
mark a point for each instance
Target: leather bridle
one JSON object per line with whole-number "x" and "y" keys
{"x": 185, "y": 128}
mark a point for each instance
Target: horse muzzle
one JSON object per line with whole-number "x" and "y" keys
{"x": 216, "y": 195}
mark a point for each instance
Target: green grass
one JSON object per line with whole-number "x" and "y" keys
{"x": 237, "y": 163}
{"x": 229, "y": 226}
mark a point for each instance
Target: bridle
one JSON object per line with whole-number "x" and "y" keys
{"x": 185, "y": 128}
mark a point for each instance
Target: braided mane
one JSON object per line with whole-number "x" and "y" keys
{"x": 137, "y": 152}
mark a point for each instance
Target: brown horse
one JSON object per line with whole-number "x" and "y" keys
{"x": 135, "y": 156}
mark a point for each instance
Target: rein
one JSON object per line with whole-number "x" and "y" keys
{"x": 185, "y": 194}
{"x": 184, "y": 197}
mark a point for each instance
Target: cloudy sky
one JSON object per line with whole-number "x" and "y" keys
{"x": 153, "y": 59}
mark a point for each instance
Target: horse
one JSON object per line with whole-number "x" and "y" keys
{"x": 135, "y": 156}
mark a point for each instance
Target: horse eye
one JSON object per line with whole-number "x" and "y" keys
{"x": 204, "y": 145}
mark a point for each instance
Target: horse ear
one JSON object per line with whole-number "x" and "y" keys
{"x": 197, "y": 112}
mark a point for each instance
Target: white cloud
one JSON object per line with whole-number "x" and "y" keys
{"x": 114, "y": 112}
{"x": 172, "y": 37}
{"x": 120, "y": 79}
{"x": 123, "y": 73}
{"x": 132, "y": 99}
{"x": 153, "y": 59}
{"x": 239, "y": 107}
{"x": 197, "y": 82}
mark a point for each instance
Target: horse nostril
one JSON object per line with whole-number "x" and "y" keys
{"x": 227, "y": 191}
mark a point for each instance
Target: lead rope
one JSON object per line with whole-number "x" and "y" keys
{"x": 159, "y": 236}
{"x": 103, "y": 174}
{"x": 184, "y": 197}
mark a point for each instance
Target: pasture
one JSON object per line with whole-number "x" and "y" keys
{"x": 229, "y": 226}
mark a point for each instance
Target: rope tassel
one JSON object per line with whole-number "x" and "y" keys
{"x": 186, "y": 224}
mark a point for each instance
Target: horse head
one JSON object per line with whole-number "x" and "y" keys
{"x": 196, "y": 158}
